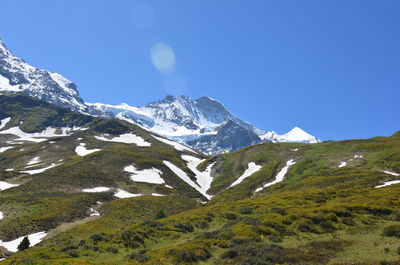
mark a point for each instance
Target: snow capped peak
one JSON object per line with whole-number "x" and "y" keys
{"x": 203, "y": 123}
{"x": 16, "y": 76}
{"x": 4, "y": 51}
{"x": 296, "y": 131}
{"x": 299, "y": 135}
{"x": 294, "y": 135}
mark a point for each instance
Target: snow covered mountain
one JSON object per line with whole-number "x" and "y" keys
{"x": 294, "y": 135}
{"x": 204, "y": 124}
{"x": 180, "y": 118}
{"x": 16, "y": 76}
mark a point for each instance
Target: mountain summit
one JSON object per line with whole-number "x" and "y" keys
{"x": 16, "y": 76}
{"x": 294, "y": 135}
{"x": 204, "y": 124}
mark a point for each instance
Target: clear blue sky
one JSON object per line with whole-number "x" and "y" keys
{"x": 329, "y": 67}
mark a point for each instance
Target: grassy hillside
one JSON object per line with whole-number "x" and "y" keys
{"x": 307, "y": 226}
{"x": 325, "y": 211}
{"x": 47, "y": 199}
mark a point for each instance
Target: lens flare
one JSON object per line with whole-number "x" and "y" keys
{"x": 163, "y": 57}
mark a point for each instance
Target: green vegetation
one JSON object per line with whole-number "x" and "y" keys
{"x": 320, "y": 213}
{"x": 25, "y": 243}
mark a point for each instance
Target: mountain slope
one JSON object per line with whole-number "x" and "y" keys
{"x": 55, "y": 165}
{"x": 316, "y": 212}
{"x": 200, "y": 123}
{"x": 16, "y": 76}
{"x": 204, "y": 124}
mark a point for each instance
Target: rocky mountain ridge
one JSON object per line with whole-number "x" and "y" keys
{"x": 204, "y": 123}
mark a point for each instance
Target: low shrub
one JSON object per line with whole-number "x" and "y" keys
{"x": 186, "y": 227}
{"x": 392, "y": 231}
{"x": 139, "y": 257}
{"x": 230, "y": 216}
{"x": 187, "y": 255}
{"x": 229, "y": 254}
{"x": 112, "y": 250}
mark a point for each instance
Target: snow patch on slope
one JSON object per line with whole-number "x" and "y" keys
{"x": 38, "y": 136}
{"x": 391, "y": 173}
{"x": 203, "y": 179}
{"x": 97, "y": 189}
{"x": 388, "y": 183}
{"x": 124, "y": 194}
{"x": 5, "y": 185}
{"x": 93, "y": 212}
{"x": 40, "y": 170}
{"x": 81, "y": 150}
{"x": 4, "y": 122}
{"x": 127, "y": 138}
{"x": 33, "y": 161}
{"x": 152, "y": 175}
{"x": 34, "y": 239}
{"x": 182, "y": 175}
{"x": 3, "y": 149}
{"x": 252, "y": 168}
{"x": 279, "y": 177}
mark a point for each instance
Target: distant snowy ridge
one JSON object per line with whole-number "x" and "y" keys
{"x": 294, "y": 135}
{"x": 16, "y": 76}
{"x": 203, "y": 124}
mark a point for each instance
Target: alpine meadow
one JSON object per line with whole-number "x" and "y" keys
{"x": 181, "y": 179}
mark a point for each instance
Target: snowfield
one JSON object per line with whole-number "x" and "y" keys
{"x": 391, "y": 173}
{"x": 127, "y": 138}
{"x": 38, "y": 136}
{"x": 152, "y": 175}
{"x": 203, "y": 179}
{"x": 279, "y": 177}
{"x": 33, "y": 161}
{"x": 388, "y": 183}
{"x": 182, "y": 175}
{"x": 5, "y": 185}
{"x": 124, "y": 194}
{"x": 157, "y": 195}
{"x": 81, "y": 150}
{"x": 93, "y": 212}
{"x": 177, "y": 146}
{"x": 3, "y": 149}
{"x": 40, "y": 170}
{"x": 342, "y": 164}
{"x": 34, "y": 239}
{"x": 4, "y": 122}
{"x": 252, "y": 168}
{"x": 119, "y": 193}
{"x": 1, "y": 215}
{"x": 97, "y": 189}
